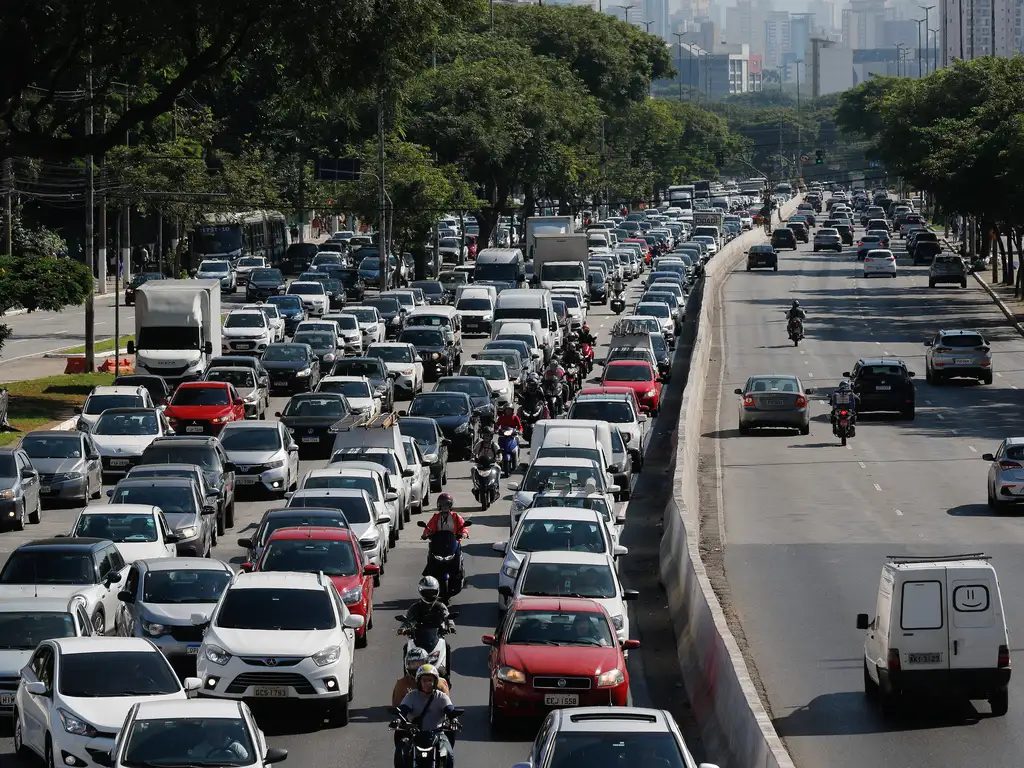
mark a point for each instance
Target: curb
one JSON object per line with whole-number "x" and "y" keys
{"x": 1001, "y": 304}
{"x": 65, "y": 355}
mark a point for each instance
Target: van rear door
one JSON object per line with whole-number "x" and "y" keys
{"x": 921, "y": 633}
{"x": 975, "y": 618}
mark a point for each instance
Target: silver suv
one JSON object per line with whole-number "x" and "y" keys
{"x": 947, "y": 268}
{"x": 963, "y": 354}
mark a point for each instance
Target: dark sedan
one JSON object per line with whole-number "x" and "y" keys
{"x": 432, "y": 442}
{"x": 349, "y": 279}
{"x": 290, "y": 517}
{"x": 762, "y": 256}
{"x": 324, "y": 345}
{"x": 140, "y": 279}
{"x": 291, "y": 310}
{"x": 264, "y": 283}
{"x": 374, "y": 369}
{"x": 292, "y": 367}
{"x": 310, "y": 418}
{"x": 783, "y": 238}
{"x": 391, "y": 312}
{"x": 474, "y": 386}
{"x": 433, "y": 347}
{"x": 800, "y": 230}
{"x": 433, "y": 291}
{"x": 453, "y": 412}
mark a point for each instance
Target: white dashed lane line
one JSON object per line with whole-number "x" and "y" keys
{"x": 878, "y": 487}
{"x": 972, "y": 449}
{"x": 899, "y": 512}
{"x": 862, "y": 465}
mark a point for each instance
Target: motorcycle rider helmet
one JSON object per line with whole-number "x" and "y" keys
{"x": 507, "y": 408}
{"x": 445, "y": 502}
{"x": 844, "y": 386}
{"x": 796, "y": 304}
{"x": 429, "y": 589}
{"x": 427, "y": 670}
{"x": 414, "y": 659}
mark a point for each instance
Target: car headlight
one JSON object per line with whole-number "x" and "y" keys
{"x": 74, "y": 724}
{"x": 650, "y": 393}
{"x": 611, "y": 677}
{"x": 217, "y": 655}
{"x": 328, "y": 655}
{"x": 369, "y": 543}
{"x": 187, "y": 532}
{"x": 67, "y": 476}
{"x": 352, "y": 595}
{"x": 305, "y": 372}
{"x": 510, "y": 570}
{"x": 618, "y": 621}
{"x": 435, "y": 356}
{"x": 511, "y": 675}
{"x": 7, "y": 493}
{"x": 405, "y": 372}
{"x": 154, "y": 629}
{"x": 252, "y": 397}
{"x": 221, "y": 419}
{"x": 462, "y": 428}
{"x": 274, "y": 464}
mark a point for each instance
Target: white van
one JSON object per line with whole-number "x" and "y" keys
{"x": 939, "y": 631}
{"x": 531, "y": 304}
{"x": 567, "y": 442}
{"x": 598, "y": 429}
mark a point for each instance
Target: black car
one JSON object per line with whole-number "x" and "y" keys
{"x": 264, "y": 283}
{"x": 391, "y": 312}
{"x": 597, "y": 286}
{"x": 189, "y": 517}
{"x": 204, "y": 452}
{"x": 157, "y": 386}
{"x": 453, "y": 412}
{"x": 374, "y": 369}
{"x": 291, "y": 309}
{"x": 925, "y": 253}
{"x": 299, "y": 256}
{"x": 883, "y": 384}
{"x": 349, "y": 279}
{"x": 845, "y": 231}
{"x": 290, "y": 517}
{"x": 800, "y": 230}
{"x": 433, "y": 347}
{"x": 432, "y": 442}
{"x": 240, "y": 361}
{"x": 783, "y": 238}
{"x": 323, "y": 343}
{"x": 762, "y": 256}
{"x": 433, "y": 291}
{"x": 139, "y": 279}
{"x": 474, "y": 386}
{"x": 292, "y": 367}
{"x": 310, "y": 418}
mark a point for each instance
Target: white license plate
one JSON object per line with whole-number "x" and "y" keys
{"x": 192, "y": 650}
{"x": 194, "y": 428}
{"x": 773, "y": 403}
{"x": 245, "y": 345}
{"x": 119, "y": 462}
{"x": 45, "y": 489}
{"x": 313, "y": 439}
{"x": 280, "y": 382}
{"x": 882, "y": 389}
{"x": 7, "y": 699}
{"x": 961, "y": 361}
{"x": 270, "y": 692}
{"x": 244, "y": 480}
{"x": 561, "y": 699}
{"x": 924, "y": 658}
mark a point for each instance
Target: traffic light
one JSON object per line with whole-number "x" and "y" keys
{"x": 719, "y": 158}
{"x": 819, "y": 157}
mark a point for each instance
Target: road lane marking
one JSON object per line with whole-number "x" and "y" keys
{"x": 972, "y": 449}
{"x": 999, "y": 375}
{"x": 811, "y": 375}
{"x": 927, "y": 402}
{"x": 878, "y": 487}
{"x": 878, "y": 343}
{"x": 940, "y": 416}
{"x": 899, "y": 512}
{"x": 862, "y": 465}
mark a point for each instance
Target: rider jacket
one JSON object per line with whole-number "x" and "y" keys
{"x": 433, "y": 614}
{"x": 510, "y": 420}
{"x": 793, "y": 314}
{"x": 840, "y": 399}
{"x": 445, "y": 521}
{"x": 531, "y": 399}
{"x": 586, "y": 337}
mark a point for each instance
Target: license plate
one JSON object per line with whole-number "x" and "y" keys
{"x": 193, "y": 428}
{"x": 119, "y": 462}
{"x": 45, "y": 489}
{"x": 924, "y": 658}
{"x": 561, "y": 699}
{"x": 313, "y": 439}
{"x": 245, "y": 345}
{"x": 882, "y": 389}
{"x": 243, "y": 480}
{"x": 773, "y": 403}
{"x": 192, "y": 650}
{"x": 280, "y": 382}
{"x": 7, "y": 700}
{"x": 961, "y": 361}
{"x": 269, "y": 692}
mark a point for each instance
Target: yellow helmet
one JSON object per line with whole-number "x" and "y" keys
{"x": 427, "y": 669}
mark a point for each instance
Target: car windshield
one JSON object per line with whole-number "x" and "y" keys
{"x": 242, "y": 379}
{"x": 291, "y": 304}
{"x": 363, "y": 314}
{"x": 370, "y": 368}
{"x": 120, "y": 529}
{"x": 562, "y": 271}
{"x": 184, "y": 586}
{"x": 306, "y": 289}
{"x": 285, "y": 353}
{"x": 320, "y": 407}
{"x": 423, "y": 337}
{"x": 612, "y": 411}
{"x": 880, "y": 372}
{"x": 139, "y": 673}
{"x": 276, "y": 609}
{"x": 174, "y": 500}
{"x": 138, "y": 423}
{"x": 97, "y": 404}
{"x": 627, "y": 372}
{"x": 569, "y": 580}
{"x": 266, "y": 276}
{"x": 563, "y": 535}
{"x": 347, "y": 322}
{"x": 472, "y": 386}
{"x": 421, "y": 430}
{"x": 474, "y": 305}
{"x": 168, "y": 453}
{"x": 50, "y": 447}
{"x": 333, "y": 558}
{"x": 559, "y": 628}
{"x": 484, "y": 371}
{"x": 543, "y": 477}
{"x": 438, "y": 406}
{"x": 654, "y": 310}
{"x": 385, "y": 305}
{"x": 251, "y": 439}
{"x": 24, "y": 630}
{"x": 391, "y": 354}
{"x": 246, "y": 320}
{"x": 354, "y": 507}
{"x": 188, "y": 741}
{"x": 315, "y": 339}
{"x": 963, "y": 340}
{"x": 529, "y": 340}
{"x": 201, "y": 396}
{"x": 772, "y": 384}
{"x": 604, "y": 749}
{"x": 351, "y": 389}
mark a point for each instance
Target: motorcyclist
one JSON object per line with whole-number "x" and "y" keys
{"x": 446, "y": 519}
{"x": 617, "y": 286}
{"x": 586, "y": 337}
{"x": 509, "y": 418}
{"x": 415, "y": 659}
{"x": 428, "y": 708}
{"x": 844, "y": 397}
{"x": 796, "y": 312}
{"x": 573, "y": 350}
{"x": 428, "y": 611}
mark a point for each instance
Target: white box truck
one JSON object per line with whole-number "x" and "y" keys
{"x": 177, "y": 328}
{"x": 546, "y": 225}
{"x": 704, "y": 220}
{"x": 561, "y": 260}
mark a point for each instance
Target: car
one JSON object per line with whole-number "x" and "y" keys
{"x": 296, "y": 617}
{"x": 370, "y": 476}
{"x": 68, "y": 464}
{"x": 21, "y": 499}
{"x": 138, "y": 280}
{"x": 252, "y": 362}
{"x": 619, "y": 407}
{"x": 139, "y": 530}
{"x": 774, "y": 400}
{"x": 370, "y": 323}
{"x": 476, "y": 387}
{"x": 883, "y": 384}
{"x": 879, "y": 223}
{"x": 245, "y": 266}
{"x": 313, "y": 295}
{"x": 220, "y": 270}
{"x": 946, "y": 268}
{"x": 418, "y": 463}
{"x": 867, "y": 243}
{"x": 433, "y": 291}
{"x": 375, "y": 371}
{"x": 292, "y": 367}
{"x": 263, "y": 284}
{"x": 391, "y": 311}
{"x": 403, "y": 363}
{"x": 556, "y": 473}
{"x": 958, "y": 354}
{"x": 641, "y": 377}
{"x": 611, "y": 735}
{"x": 348, "y": 277}
{"x": 291, "y": 309}
{"x": 845, "y": 230}
{"x": 880, "y": 261}
{"x": 122, "y": 435}
{"x": 529, "y": 363}
{"x": 184, "y": 733}
{"x": 254, "y": 392}
{"x": 358, "y": 392}
{"x": 555, "y": 652}
{"x": 264, "y": 455}
{"x": 432, "y": 442}
{"x": 204, "y": 407}
{"x": 193, "y": 472}
{"x": 69, "y": 707}
{"x": 783, "y": 238}
{"x": 349, "y": 334}
{"x": 799, "y": 229}
{"x": 247, "y": 331}
{"x": 881, "y": 234}
{"x": 297, "y": 257}
{"x": 436, "y": 350}
{"x": 157, "y": 386}
{"x": 376, "y": 532}
{"x": 65, "y": 567}
{"x": 926, "y": 251}
{"x": 205, "y": 452}
{"x": 454, "y": 414}
{"x": 494, "y": 373}
{"x": 1005, "y": 482}
{"x": 188, "y": 517}
{"x": 103, "y": 397}
{"x": 274, "y": 318}
{"x": 311, "y": 418}
{"x": 323, "y": 342}
{"x": 762, "y": 256}
{"x": 828, "y": 239}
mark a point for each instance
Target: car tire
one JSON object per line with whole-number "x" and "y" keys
{"x": 48, "y": 760}
{"x": 35, "y": 517}
{"x": 99, "y": 490}
{"x": 19, "y": 524}
{"x": 229, "y": 515}
{"x": 99, "y": 622}
{"x": 963, "y": 283}
{"x": 1000, "y": 702}
{"x": 907, "y": 413}
{"x": 744, "y": 429}
{"x": 498, "y": 726}
{"x": 221, "y": 528}
{"x": 986, "y": 379}
{"x": 870, "y": 686}
{"x": 805, "y": 429}
{"x": 437, "y": 485}
{"x": 775, "y": 268}
{"x": 931, "y": 283}
{"x": 337, "y": 713}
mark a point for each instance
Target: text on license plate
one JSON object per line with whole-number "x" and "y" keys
{"x": 924, "y": 658}
{"x": 45, "y": 489}
{"x": 561, "y": 699}
{"x": 194, "y": 428}
{"x": 246, "y": 480}
{"x": 270, "y": 692}
{"x": 313, "y": 439}
{"x": 962, "y": 361}
{"x": 119, "y": 462}
{"x": 773, "y": 402}
{"x": 192, "y": 650}
{"x": 882, "y": 389}
{"x": 7, "y": 699}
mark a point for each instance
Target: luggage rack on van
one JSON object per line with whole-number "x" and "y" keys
{"x": 937, "y": 558}
{"x": 382, "y": 421}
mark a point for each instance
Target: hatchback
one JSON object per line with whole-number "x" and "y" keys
{"x": 783, "y": 238}
{"x": 883, "y": 384}
{"x": 762, "y": 256}
{"x": 828, "y": 239}
{"x": 774, "y": 401}
{"x": 963, "y": 354}
{"x": 945, "y": 268}
{"x": 1006, "y": 473}
{"x": 880, "y": 262}
{"x": 204, "y": 407}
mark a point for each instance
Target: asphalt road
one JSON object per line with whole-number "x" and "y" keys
{"x": 366, "y": 741}
{"x": 807, "y": 524}
{"x": 36, "y": 333}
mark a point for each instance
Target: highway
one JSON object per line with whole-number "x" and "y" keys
{"x": 366, "y": 741}
{"x": 36, "y": 333}
{"x": 807, "y": 524}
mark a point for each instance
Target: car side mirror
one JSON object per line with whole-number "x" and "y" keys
{"x": 407, "y": 473}
{"x": 630, "y": 645}
{"x": 110, "y": 493}
{"x": 911, "y": 374}
{"x": 370, "y": 569}
{"x": 93, "y": 457}
{"x": 500, "y": 546}
{"x": 513, "y": 485}
{"x": 987, "y": 457}
{"x": 247, "y": 567}
{"x": 928, "y": 342}
{"x": 36, "y": 688}
{"x": 208, "y": 348}
{"x": 125, "y": 596}
{"x": 28, "y": 473}
{"x": 630, "y": 594}
{"x": 488, "y": 640}
{"x": 618, "y": 550}
{"x": 172, "y": 538}
{"x": 239, "y": 401}
{"x": 131, "y": 348}
{"x": 863, "y": 622}
{"x": 277, "y": 414}
{"x": 846, "y": 374}
{"x": 78, "y": 410}
{"x": 275, "y": 755}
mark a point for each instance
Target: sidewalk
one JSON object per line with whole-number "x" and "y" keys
{"x": 1003, "y": 296}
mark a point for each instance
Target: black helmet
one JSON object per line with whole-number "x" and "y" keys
{"x": 795, "y": 303}
{"x": 445, "y": 502}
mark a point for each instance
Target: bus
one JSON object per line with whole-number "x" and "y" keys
{"x": 234, "y": 235}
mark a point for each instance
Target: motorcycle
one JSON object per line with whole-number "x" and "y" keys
{"x": 588, "y": 356}
{"x": 795, "y": 329}
{"x": 553, "y": 393}
{"x": 423, "y": 749}
{"x": 618, "y": 304}
{"x": 444, "y": 562}
{"x": 572, "y": 382}
{"x": 842, "y": 424}
{"x": 431, "y": 640}
{"x": 486, "y": 479}
{"x": 530, "y": 416}
{"x": 508, "y": 441}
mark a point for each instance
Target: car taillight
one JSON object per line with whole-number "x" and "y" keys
{"x": 748, "y": 401}
{"x": 1007, "y": 464}
{"x": 893, "y": 662}
{"x": 801, "y": 401}
{"x": 943, "y": 349}
{"x": 1004, "y": 657}
{"x": 844, "y": 413}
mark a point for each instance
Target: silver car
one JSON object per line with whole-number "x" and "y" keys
{"x": 163, "y": 599}
{"x": 963, "y": 354}
{"x": 769, "y": 400}
{"x": 68, "y": 464}
{"x": 255, "y": 393}
{"x": 19, "y": 489}
{"x": 1006, "y": 473}
{"x": 218, "y": 269}
{"x": 265, "y": 456}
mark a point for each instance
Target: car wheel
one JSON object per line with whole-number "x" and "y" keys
{"x": 19, "y": 738}
{"x": 220, "y": 525}
{"x": 805, "y": 429}
{"x": 931, "y": 283}
{"x": 870, "y": 686}
{"x": 337, "y": 713}
{"x": 744, "y": 429}
{"x": 498, "y": 726}
{"x": 48, "y": 753}
{"x": 1000, "y": 702}
{"x": 229, "y": 517}
{"x": 36, "y": 516}
{"x": 19, "y": 524}
{"x": 99, "y": 490}
{"x": 99, "y": 623}
{"x": 963, "y": 283}
{"x": 986, "y": 379}
{"x": 775, "y": 268}
{"x": 907, "y": 413}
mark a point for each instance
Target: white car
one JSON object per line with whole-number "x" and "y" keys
{"x": 265, "y": 455}
{"x": 139, "y": 531}
{"x": 746, "y": 222}
{"x": 247, "y": 264}
{"x": 372, "y": 529}
{"x": 476, "y": 313}
{"x": 370, "y": 323}
{"x": 495, "y": 374}
{"x": 556, "y": 473}
{"x": 247, "y": 331}
{"x": 372, "y": 479}
{"x": 707, "y": 240}
{"x": 313, "y": 296}
{"x": 620, "y": 410}
{"x": 357, "y": 390}
{"x": 297, "y": 619}
{"x": 349, "y": 331}
{"x": 574, "y": 305}
{"x": 387, "y": 461}
{"x": 403, "y": 361}
{"x": 107, "y": 396}
{"x": 218, "y": 269}
{"x": 575, "y": 574}
{"x": 420, "y": 474}
{"x": 122, "y": 434}
{"x": 547, "y": 529}
{"x": 75, "y": 693}
{"x": 274, "y": 317}
{"x": 188, "y": 732}
{"x": 880, "y": 262}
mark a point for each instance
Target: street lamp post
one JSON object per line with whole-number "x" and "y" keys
{"x": 926, "y": 9}
{"x": 919, "y": 22}
{"x": 899, "y": 57}
{"x": 626, "y": 9}
{"x": 679, "y": 45}
{"x": 935, "y": 49}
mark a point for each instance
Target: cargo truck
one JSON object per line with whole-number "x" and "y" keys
{"x": 546, "y": 225}
{"x": 705, "y": 220}
{"x": 560, "y": 261}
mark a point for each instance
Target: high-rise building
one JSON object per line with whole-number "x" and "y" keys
{"x": 656, "y": 12}
{"x": 744, "y": 23}
{"x": 862, "y": 23}
{"x": 968, "y": 30}
{"x": 777, "y": 30}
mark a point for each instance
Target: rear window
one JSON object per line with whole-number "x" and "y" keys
{"x": 880, "y": 371}
{"x": 963, "y": 340}
{"x": 922, "y": 605}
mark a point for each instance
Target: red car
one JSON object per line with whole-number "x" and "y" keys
{"x": 555, "y": 652}
{"x": 639, "y": 376}
{"x": 335, "y": 552}
{"x": 644, "y": 245}
{"x": 204, "y": 407}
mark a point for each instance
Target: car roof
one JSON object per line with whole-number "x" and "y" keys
{"x": 560, "y": 513}
{"x": 252, "y": 424}
{"x": 580, "y": 604}
{"x": 53, "y": 433}
{"x": 83, "y": 543}
{"x": 184, "y": 563}
{"x": 204, "y": 385}
{"x": 881, "y": 361}
{"x": 110, "y": 389}
{"x": 311, "y": 532}
{"x": 341, "y": 492}
{"x": 123, "y": 509}
{"x": 153, "y": 482}
{"x": 169, "y": 709}
{"x": 277, "y": 579}
{"x": 103, "y": 644}
{"x": 558, "y": 461}
{"x": 576, "y": 558}
{"x": 960, "y": 332}
{"x": 612, "y": 719}
{"x": 186, "y": 440}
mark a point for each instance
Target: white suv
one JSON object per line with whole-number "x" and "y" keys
{"x": 247, "y": 331}
{"x": 281, "y": 635}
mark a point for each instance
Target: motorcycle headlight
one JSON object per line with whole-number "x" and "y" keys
{"x": 618, "y": 621}
{"x": 352, "y": 595}
{"x": 187, "y": 532}
{"x": 74, "y": 724}
{"x": 305, "y": 372}
{"x": 611, "y": 677}
{"x": 217, "y": 655}
{"x": 511, "y": 675}
{"x": 510, "y": 570}
{"x": 328, "y": 655}
{"x": 154, "y": 629}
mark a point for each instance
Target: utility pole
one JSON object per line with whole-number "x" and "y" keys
{"x": 972, "y": 29}
{"x": 899, "y": 57}
{"x": 9, "y": 186}
{"x": 679, "y": 75}
{"x": 626, "y": 9}
{"x": 90, "y": 244}
{"x": 935, "y": 49}
{"x": 799, "y": 134}
{"x": 926, "y": 9}
{"x": 919, "y": 22}
{"x": 126, "y": 215}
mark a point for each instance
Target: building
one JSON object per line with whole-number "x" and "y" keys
{"x": 656, "y": 12}
{"x": 835, "y": 70}
{"x": 744, "y": 23}
{"x": 967, "y": 28}
{"x": 777, "y": 29}
{"x": 717, "y": 75}
{"x": 862, "y": 23}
